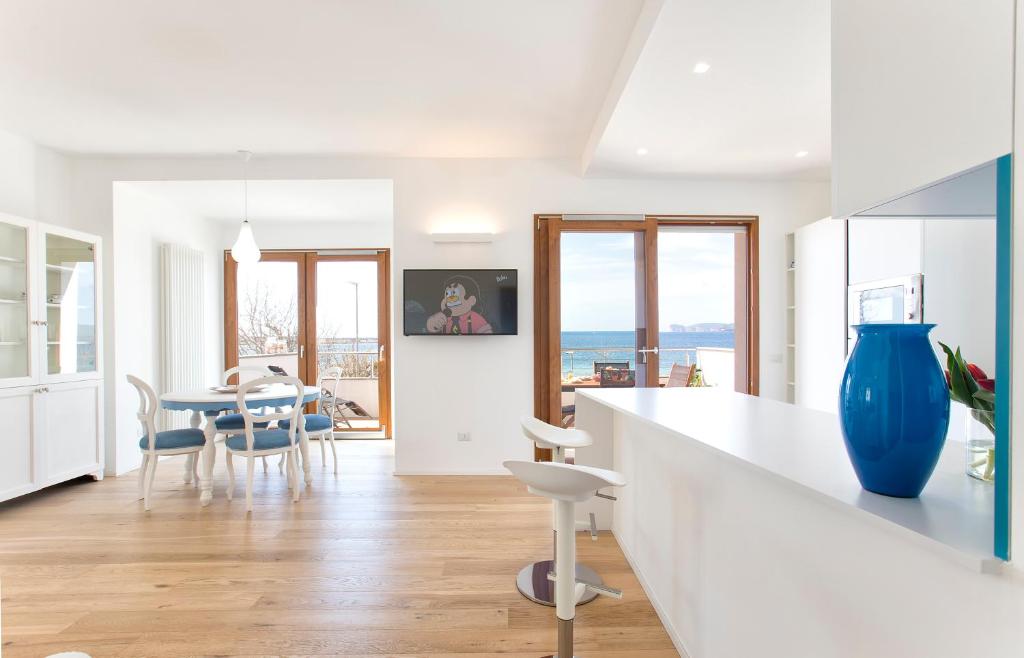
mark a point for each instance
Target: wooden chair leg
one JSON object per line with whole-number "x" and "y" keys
{"x": 250, "y": 469}
{"x": 231, "y": 473}
{"x": 195, "y": 468}
{"x": 152, "y": 476}
{"x": 264, "y": 464}
{"x": 323, "y": 451}
{"x": 280, "y": 465}
{"x": 142, "y": 475}
{"x": 334, "y": 450}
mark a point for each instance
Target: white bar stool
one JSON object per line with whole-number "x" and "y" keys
{"x": 566, "y": 485}
{"x": 532, "y": 580}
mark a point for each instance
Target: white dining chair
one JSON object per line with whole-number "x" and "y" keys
{"x": 320, "y": 425}
{"x": 228, "y": 424}
{"x": 156, "y": 444}
{"x": 254, "y": 442}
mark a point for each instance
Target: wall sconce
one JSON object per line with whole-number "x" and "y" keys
{"x": 462, "y": 238}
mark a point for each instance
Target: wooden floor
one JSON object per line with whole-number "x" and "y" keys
{"x": 366, "y": 564}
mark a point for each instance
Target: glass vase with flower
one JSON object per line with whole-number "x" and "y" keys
{"x": 970, "y": 386}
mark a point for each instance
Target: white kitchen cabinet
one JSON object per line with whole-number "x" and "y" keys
{"x": 51, "y": 380}
{"x": 820, "y": 318}
{"x": 921, "y": 90}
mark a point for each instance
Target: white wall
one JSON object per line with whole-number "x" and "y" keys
{"x": 142, "y": 223}
{"x": 35, "y": 182}
{"x": 314, "y": 235}
{"x": 502, "y": 195}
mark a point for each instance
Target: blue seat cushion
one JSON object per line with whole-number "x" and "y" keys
{"x": 265, "y": 440}
{"x": 314, "y": 423}
{"x": 234, "y": 422}
{"x": 173, "y": 439}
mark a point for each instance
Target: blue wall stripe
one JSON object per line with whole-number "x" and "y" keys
{"x": 1004, "y": 333}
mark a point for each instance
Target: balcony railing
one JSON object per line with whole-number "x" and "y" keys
{"x": 716, "y": 363}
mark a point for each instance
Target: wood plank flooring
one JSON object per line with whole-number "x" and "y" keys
{"x": 366, "y": 564}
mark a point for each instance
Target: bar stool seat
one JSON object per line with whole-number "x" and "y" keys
{"x": 566, "y": 485}
{"x": 570, "y": 482}
{"x": 554, "y": 438}
{"x": 532, "y": 580}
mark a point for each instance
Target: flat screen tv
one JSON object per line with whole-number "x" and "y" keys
{"x": 461, "y": 302}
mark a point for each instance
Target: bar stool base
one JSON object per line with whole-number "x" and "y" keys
{"x": 532, "y": 582}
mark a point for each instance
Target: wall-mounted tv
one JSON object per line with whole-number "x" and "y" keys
{"x": 461, "y": 302}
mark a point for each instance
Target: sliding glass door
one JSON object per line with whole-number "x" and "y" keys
{"x": 309, "y": 313}
{"x": 269, "y": 302}
{"x": 595, "y": 327}
{"x": 351, "y": 329}
{"x": 642, "y": 301}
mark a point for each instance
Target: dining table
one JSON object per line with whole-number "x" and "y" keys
{"x": 209, "y": 403}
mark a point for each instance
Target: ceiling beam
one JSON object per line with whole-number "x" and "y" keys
{"x": 642, "y": 29}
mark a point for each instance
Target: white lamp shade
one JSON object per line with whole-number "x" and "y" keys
{"x": 245, "y": 250}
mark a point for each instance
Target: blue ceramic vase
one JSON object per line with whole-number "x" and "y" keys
{"x": 894, "y": 408}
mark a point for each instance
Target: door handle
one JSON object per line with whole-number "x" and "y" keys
{"x": 380, "y": 353}
{"x": 644, "y": 351}
{"x": 302, "y": 351}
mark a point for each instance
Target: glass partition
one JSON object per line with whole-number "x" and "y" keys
{"x": 14, "y": 311}
{"x": 70, "y": 305}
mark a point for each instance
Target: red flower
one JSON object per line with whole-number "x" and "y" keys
{"x": 988, "y": 384}
{"x": 976, "y": 372}
{"x": 949, "y": 382}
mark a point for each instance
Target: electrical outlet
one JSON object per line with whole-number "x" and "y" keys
{"x": 463, "y": 436}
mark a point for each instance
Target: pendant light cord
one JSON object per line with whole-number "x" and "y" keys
{"x": 246, "y": 156}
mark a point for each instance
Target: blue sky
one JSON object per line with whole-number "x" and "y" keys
{"x": 695, "y": 279}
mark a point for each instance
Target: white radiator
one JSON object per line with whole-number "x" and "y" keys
{"x": 182, "y": 344}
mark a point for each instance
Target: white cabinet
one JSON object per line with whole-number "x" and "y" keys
{"x": 71, "y": 420}
{"x": 921, "y": 90}
{"x": 51, "y": 386}
{"x": 18, "y": 465}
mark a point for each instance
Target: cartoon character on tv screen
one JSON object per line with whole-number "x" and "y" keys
{"x": 461, "y": 295}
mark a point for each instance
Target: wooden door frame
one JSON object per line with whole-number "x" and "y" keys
{"x": 231, "y": 305}
{"x": 307, "y": 260}
{"x": 752, "y": 280}
{"x": 383, "y": 259}
{"x": 547, "y": 294}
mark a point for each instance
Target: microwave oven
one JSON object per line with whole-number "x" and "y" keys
{"x": 887, "y": 301}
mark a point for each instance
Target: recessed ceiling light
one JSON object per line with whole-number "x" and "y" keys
{"x": 641, "y": 151}
{"x": 801, "y": 154}
{"x": 701, "y": 67}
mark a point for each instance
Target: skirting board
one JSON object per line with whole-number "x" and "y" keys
{"x": 665, "y": 621}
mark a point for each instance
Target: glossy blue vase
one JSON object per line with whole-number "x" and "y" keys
{"x": 894, "y": 408}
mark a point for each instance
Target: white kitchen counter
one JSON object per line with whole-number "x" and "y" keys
{"x": 804, "y": 448}
{"x": 744, "y": 522}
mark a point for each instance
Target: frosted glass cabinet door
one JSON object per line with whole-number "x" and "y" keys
{"x": 15, "y": 347}
{"x": 70, "y": 302}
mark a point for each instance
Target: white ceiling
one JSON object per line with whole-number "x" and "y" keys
{"x": 428, "y": 78}
{"x": 764, "y": 99}
{"x": 436, "y": 78}
{"x": 279, "y": 200}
